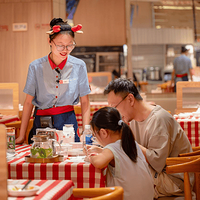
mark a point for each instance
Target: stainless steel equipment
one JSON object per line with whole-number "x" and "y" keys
{"x": 154, "y": 74}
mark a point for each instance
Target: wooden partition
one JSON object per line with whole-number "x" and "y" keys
{"x": 103, "y": 22}
{"x": 193, "y": 88}
{"x": 3, "y": 163}
{"x": 9, "y": 91}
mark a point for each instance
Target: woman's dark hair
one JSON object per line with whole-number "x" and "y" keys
{"x": 59, "y": 21}
{"x": 108, "y": 118}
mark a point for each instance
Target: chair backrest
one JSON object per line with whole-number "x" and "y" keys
{"x": 191, "y": 166}
{"x": 182, "y": 88}
{"x": 111, "y": 193}
{"x": 194, "y": 153}
{"x": 196, "y": 148}
{"x": 9, "y": 98}
{"x": 3, "y": 163}
{"x": 17, "y": 125}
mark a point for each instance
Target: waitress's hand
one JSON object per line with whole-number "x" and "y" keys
{"x": 19, "y": 140}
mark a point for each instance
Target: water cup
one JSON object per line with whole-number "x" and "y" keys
{"x": 63, "y": 150}
{"x": 10, "y": 140}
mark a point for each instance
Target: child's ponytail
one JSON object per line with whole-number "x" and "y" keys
{"x": 128, "y": 142}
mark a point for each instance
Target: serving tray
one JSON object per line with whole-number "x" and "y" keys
{"x": 57, "y": 158}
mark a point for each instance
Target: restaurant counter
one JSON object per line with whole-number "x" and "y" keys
{"x": 166, "y": 100}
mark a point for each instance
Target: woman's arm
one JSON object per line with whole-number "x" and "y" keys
{"x": 172, "y": 79}
{"x": 85, "y": 110}
{"x": 191, "y": 74}
{"x": 102, "y": 159}
{"x": 26, "y": 114}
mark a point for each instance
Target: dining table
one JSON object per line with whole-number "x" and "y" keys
{"x": 83, "y": 174}
{"x": 191, "y": 128}
{"x": 4, "y": 119}
{"x": 48, "y": 189}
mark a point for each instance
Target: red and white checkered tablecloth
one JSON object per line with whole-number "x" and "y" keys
{"x": 8, "y": 118}
{"x": 49, "y": 189}
{"x": 94, "y": 106}
{"x": 192, "y": 130}
{"x": 83, "y": 175}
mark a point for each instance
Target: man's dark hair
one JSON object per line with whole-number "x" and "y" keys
{"x": 184, "y": 49}
{"x": 123, "y": 86}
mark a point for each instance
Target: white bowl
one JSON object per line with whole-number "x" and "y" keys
{"x": 76, "y": 145}
{"x": 76, "y": 152}
{"x": 30, "y": 191}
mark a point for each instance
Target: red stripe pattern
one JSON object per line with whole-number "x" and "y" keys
{"x": 49, "y": 189}
{"x": 82, "y": 174}
{"x": 8, "y": 118}
{"x": 192, "y": 130}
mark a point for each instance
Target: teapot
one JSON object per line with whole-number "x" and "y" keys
{"x": 43, "y": 147}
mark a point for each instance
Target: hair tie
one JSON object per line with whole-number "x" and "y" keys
{"x": 120, "y": 122}
{"x": 64, "y": 27}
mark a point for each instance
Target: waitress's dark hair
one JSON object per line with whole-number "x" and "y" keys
{"x": 109, "y": 118}
{"x": 59, "y": 21}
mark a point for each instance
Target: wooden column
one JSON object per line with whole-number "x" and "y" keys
{"x": 59, "y": 9}
{"x": 128, "y": 41}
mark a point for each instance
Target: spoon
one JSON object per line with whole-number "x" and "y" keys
{"x": 25, "y": 186}
{"x": 18, "y": 189}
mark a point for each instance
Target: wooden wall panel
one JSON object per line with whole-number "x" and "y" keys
{"x": 19, "y": 49}
{"x": 103, "y": 22}
{"x": 161, "y": 36}
{"x": 142, "y": 14}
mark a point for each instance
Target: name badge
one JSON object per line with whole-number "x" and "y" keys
{"x": 64, "y": 81}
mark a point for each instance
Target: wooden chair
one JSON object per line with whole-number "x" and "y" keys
{"x": 194, "y": 153}
{"x": 181, "y": 86}
{"x": 3, "y": 163}
{"x": 17, "y": 125}
{"x": 11, "y": 91}
{"x": 186, "y": 165}
{"x": 105, "y": 193}
{"x": 196, "y": 148}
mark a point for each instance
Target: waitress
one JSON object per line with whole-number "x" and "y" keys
{"x": 55, "y": 83}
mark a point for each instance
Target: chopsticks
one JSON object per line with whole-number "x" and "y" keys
{"x": 26, "y": 184}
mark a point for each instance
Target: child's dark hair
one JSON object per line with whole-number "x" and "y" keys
{"x": 59, "y": 21}
{"x": 109, "y": 118}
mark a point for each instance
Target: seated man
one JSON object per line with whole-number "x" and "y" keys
{"x": 159, "y": 135}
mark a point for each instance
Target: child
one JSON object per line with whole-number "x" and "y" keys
{"x": 126, "y": 163}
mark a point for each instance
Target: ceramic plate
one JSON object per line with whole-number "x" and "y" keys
{"x": 15, "y": 190}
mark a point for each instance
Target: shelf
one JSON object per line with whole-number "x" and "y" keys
{"x": 108, "y": 64}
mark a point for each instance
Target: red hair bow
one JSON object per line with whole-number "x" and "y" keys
{"x": 56, "y": 28}
{"x": 76, "y": 28}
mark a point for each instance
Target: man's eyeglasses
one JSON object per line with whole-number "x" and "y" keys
{"x": 62, "y": 47}
{"x": 121, "y": 101}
